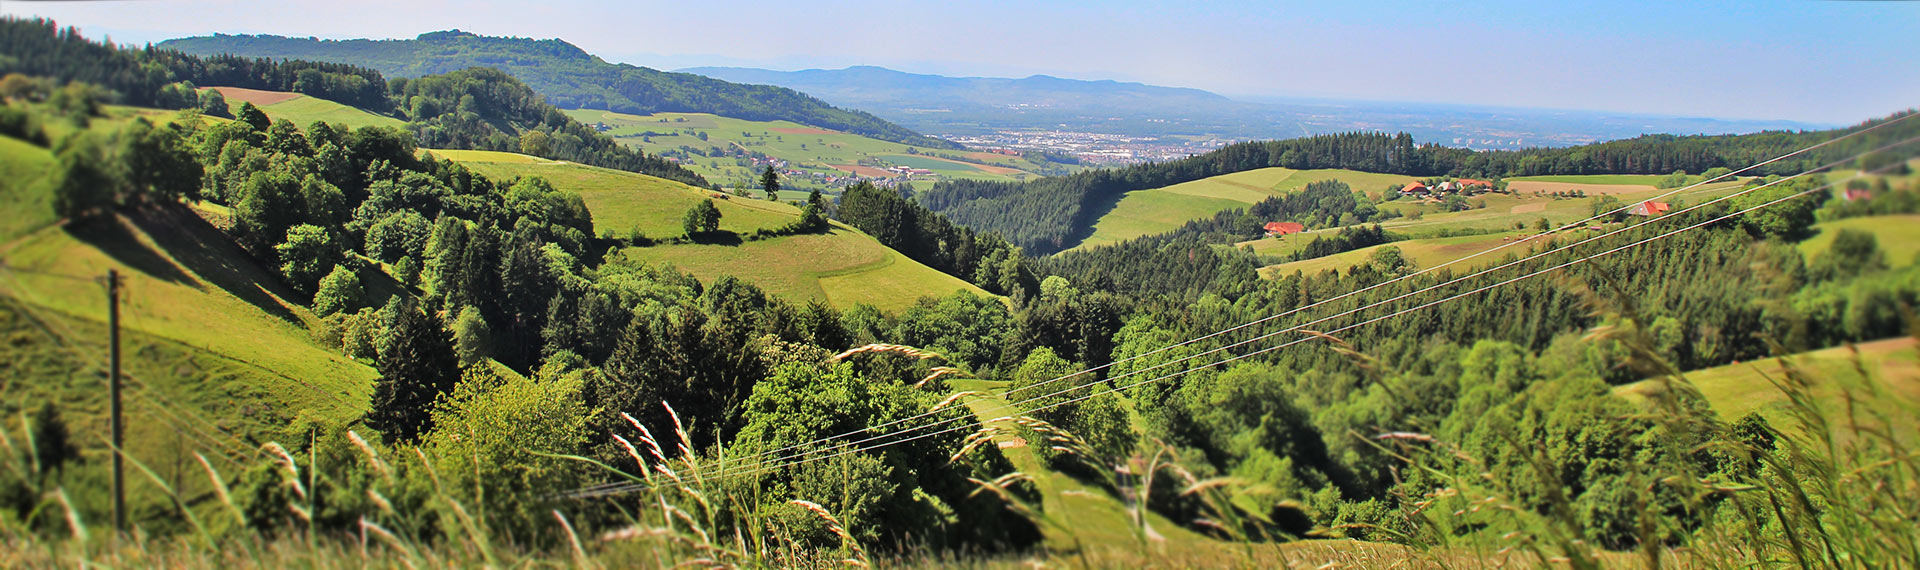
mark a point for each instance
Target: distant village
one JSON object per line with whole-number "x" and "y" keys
{"x": 1092, "y": 148}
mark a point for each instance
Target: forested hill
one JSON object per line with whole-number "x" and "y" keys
{"x": 479, "y": 109}
{"x": 566, "y": 75}
{"x": 1052, "y": 214}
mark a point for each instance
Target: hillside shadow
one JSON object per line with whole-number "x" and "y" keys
{"x": 216, "y": 259}
{"x": 722, "y": 237}
{"x": 111, "y": 236}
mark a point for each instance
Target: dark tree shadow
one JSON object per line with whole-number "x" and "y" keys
{"x": 111, "y": 237}
{"x": 722, "y": 237}
{"x": 214, "y": 257}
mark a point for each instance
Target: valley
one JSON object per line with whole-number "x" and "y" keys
{"x": 463, "y": 300}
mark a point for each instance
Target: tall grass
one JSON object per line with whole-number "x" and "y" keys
{"x": 1835, "y": 485}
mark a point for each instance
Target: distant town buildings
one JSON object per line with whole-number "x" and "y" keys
{"x": 1091, "y": 148}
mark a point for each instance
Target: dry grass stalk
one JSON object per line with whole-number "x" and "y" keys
{"x": 833, "y": 524}
{"x": 882, "y": 348}
{"x": 285, "y": 459}
{"x": 373, "y": 457}
{"x": 580, "y": 559}
{"x": 936, "y": 373}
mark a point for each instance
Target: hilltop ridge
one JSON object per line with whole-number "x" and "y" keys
{"x": 565, "y": 74}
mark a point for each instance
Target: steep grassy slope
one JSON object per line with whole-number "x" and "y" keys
{"x": 304, "y": 110}
{"x": 1899, "y": 237}
{"x": 623, "y": 202}
{"x": 842, "y": 267}
{"x": 27, "y": 204}
{"x": 1160, "y": 210}
{"x": 1735, "y": 390}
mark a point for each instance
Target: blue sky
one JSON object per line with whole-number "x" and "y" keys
{"x": 1829, "y": 62}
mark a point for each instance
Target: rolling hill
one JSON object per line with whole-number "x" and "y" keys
{"x": 566, "y": 75}
{"x": 1159, "y": 210}
{"x": 723, "y": 149}
{"x": 842, "y": 267}
{"x": 304, "y": 110}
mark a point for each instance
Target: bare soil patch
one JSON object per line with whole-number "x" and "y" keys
{"x": 254, "y": 96}
{"x": 1526, "y": 186}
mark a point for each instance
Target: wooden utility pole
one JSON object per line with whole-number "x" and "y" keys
{"x": 119, "y": 476}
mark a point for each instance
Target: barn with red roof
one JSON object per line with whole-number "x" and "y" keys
{"x": 1283, "y": 228}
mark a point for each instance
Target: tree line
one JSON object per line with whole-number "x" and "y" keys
{"x": 480, "y": 109}
{"x": 567, "y": 76}
{"x": 1049, "y": 215}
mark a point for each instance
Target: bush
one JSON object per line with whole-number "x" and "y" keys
{"x": 340, "y": 291}
{"x": 307, "y": 255}
{"x": 702, "y": 218}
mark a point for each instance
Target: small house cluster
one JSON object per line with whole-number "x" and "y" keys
{"x": 1468, "y": 186}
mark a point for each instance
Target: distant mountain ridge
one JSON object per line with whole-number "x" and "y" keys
{"x": 566, "y": 75}
{"x": 945, "y": 105}
{"x": 866, "y": 84}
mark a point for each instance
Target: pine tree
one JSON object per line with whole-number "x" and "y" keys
{"x": 770, "y": 182}
{"x": 417, "y": 365}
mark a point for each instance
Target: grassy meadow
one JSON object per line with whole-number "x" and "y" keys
{"x": 1161, "y": 210}
{"x": 842, "y": 267}
{"x": 804, "y": 147}
{"x": 1899, "y": 237}
{"x": 1891, "y": 366}
{"x": 304, "y": 110}
{"x": 623, "y": 202}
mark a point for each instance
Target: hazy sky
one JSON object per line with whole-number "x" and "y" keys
{"x": 1832, "y": 62}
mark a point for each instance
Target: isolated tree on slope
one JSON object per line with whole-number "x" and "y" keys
{"x": 702, "y": 218}
{"x": 770, "y": 181}
{"x": 417, "y": 365}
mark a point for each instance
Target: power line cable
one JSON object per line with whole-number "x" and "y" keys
{"x": 1270, "y": 318}
{"x": 607, "y": 490}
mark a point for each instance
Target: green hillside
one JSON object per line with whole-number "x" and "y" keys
{"x": 1899, "y": 237}
{"x": 842, "y": 267}
{"x": 622, "y": 201}
{"x": 566, "y": 75}
{"x": 1736, "y": 390}
{"x": 722, "y": 149}
{"x": 1160, "y": 210}
{"x": 304, "y": 110}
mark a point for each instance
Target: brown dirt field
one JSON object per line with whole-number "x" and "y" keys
{"x": 1525, "y": 186}
{"x": 863, "y": 170}
{"x": 1524, "y": 208}
{"x": 803, "y": 131}
{"x": 988, "y": 168}
{"x": 254, "y": 96}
